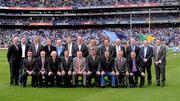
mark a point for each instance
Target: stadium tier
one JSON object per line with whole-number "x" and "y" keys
{"x": 80, "y": 3}
{"x": 52, "y": 18}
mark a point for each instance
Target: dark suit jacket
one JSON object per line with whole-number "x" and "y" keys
{"x": 121, "y": 66}
{"x": 29, "y": 65}
{"x": 138, "y": 65}
{"x": 122, "y": 48}
{"x": 129, "y": 50}
{"x": 149, "y": 54}
{"x": 106, "y": 66}
{"x": 39, "y": 64}
{"x": 84, "y": 50}
{"x": 26, "y": 50}
{"x": 53, "y": 66}
{"x": 13, "y": 54}
{"x": 66, "y": 47}
{"x": 93, "y": 65}
{"x": 46, "y": 49}
{"x": 66, "y": 66}
{"x": 33, "y": 49}
{"x": 103, "y": 49}
{"x": 161, "y": 54}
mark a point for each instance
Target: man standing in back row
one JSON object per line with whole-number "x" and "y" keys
{"x": 13, "y": 57}
{"x": 159, "y": 56}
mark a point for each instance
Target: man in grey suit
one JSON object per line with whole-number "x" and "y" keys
{"x": 36, "y": 47}
{"x": 159, "y": 56}
{"x": 79, "y": 68}
{"x": 121, "y": 69}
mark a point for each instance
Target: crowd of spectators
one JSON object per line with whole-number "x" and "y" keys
{"x": 98, "y": 19}
{"x": 170, "y": 35}
{"x": 79, "y": 3}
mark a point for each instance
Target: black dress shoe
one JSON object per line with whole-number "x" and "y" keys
{"x": 158, "y": 85}
{"x": 16, "y": 84}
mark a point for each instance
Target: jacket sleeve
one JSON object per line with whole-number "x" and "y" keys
{"x": 9, "y": 53}
{"x": 163, "y": 54}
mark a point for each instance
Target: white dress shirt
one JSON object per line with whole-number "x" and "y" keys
{"x": 23, "y": 46}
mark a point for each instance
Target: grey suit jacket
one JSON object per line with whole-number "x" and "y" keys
{"x": 161, "y": 54}
{"x": 82, "y": 66}
{"x": 33, "y": 49}
{"x": 121, "y": 66}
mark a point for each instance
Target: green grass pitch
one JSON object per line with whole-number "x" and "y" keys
{"x": 171, "y": 92}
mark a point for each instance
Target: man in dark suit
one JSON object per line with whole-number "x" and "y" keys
{"x": 121, "y": 69}
{"x": 119, "y": 47}
{"x": 42, "y": 69}
{"x": 136, "y": 71}
{"x": 106, "y": 69}
{"x": 29, "y": 69}
{"x": 79, "y": 46}
{"x": 36, "y": 47}
{"x": 93, "y": 63}
{"x": 132, "y": 48}
{"x": 159, "y": 57}
{"x": 66, "y": 68}
{"x": 60, "y": 48}
{"x": 14, "y": 57}
{"x": 107, "y": 47}
{"x": 69, "y": 45}
{"x": 23, "y": 49}
{"x": 145, "y": 54}
{"x": 79, "y": 68}
{"x": 54, "y": 70}
{"x": 48, "y": 48}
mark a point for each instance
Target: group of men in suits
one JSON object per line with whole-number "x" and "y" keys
{"x": 67, "y": 65}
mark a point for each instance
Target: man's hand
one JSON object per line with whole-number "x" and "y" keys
{"x": 113, "y": 73}
{"x": 131, "y": 74}
{"x": 145, "y": 60}
{"x": 89, "y": 73}
{"x": 127, "y": 73}
{"x": 69, "y": 72}
{"x": 102, "y": 73}
{"x": 98, "y": 73}
{"x": 79, "y": 72}
{"x": 50, "y": 73}
{"x": 63, "y": 73}
{"x": 142, "y": 74}
{"x": 59, "y": 73}
{"x": 117, "y": 73}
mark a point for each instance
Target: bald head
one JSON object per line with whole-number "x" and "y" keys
{"x": 53, "y": 54}
{"x": 118, "y": 42}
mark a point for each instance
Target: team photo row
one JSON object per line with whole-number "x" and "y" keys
{"x": 76, "y": 64}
